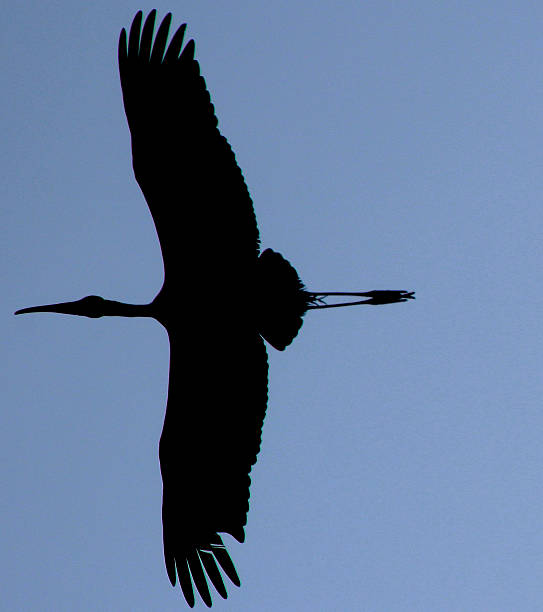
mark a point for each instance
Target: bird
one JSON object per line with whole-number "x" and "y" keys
{"x": 222, "y": 298}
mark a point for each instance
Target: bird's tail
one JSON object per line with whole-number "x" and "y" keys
{"x": 282, "y": 299}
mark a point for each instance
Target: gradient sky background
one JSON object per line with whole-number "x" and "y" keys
{"x": 386, "y": 145}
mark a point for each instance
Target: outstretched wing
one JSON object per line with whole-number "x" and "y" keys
{"x": 185, "y": 168}
{"x": 212, "y": 431}
{"x": 209, "y": 238}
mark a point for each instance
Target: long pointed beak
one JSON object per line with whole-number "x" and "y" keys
{"x": 62, "y": 308}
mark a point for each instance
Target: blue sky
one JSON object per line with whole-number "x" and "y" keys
{"x": 385, "y": 145}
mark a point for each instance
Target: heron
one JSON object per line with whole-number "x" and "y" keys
{"x": 209, "y": 239}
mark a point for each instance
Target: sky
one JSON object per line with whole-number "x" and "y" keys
{"x": 386, "y": 145}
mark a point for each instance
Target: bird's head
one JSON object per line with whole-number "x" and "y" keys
{"x": 90, "y": 306}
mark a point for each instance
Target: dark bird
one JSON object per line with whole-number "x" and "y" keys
{"x": 210, "y": 244}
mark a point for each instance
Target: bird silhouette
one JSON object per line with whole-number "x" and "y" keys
{"x": 208, "y": 234}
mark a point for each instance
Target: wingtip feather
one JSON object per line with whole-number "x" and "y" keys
{"x": 198, "y": 576}
{"x": 146, "y": 39}
{"x": 185, "y": 582}
{"x": 210, "y": 566}
{"x": 122, "y": 49}
{"x": 174, "y": 48}
{"x": 226, "y": 564}
{"x": 134, "y": 35}
{"x": 161, "y": 38}
{"x": 188, "y": 51}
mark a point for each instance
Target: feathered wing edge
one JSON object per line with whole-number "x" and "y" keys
{"x": 196, "y": 562}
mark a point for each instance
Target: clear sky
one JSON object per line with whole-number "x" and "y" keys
{"x": 386, "y": 145}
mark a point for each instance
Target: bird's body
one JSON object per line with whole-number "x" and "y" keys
{"x": 220, "y": 299}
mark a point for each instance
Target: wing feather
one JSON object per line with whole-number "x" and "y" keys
{"x": 210, "y": 566}
{"x": 222, "y": 556}
{"x": 198, "y": 575}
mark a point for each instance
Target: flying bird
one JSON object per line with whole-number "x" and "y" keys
{"x": 221, "y": 298}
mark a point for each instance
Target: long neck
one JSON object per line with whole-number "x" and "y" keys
{"x": 120, "y": 309}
